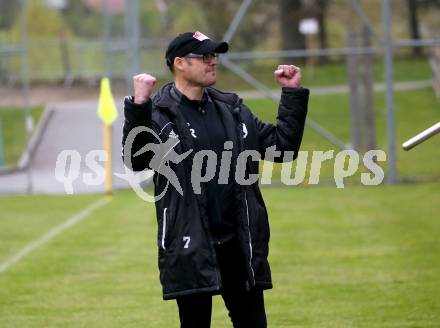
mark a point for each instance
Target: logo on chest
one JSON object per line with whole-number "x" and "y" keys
{"x": 191, "y": 130}
{"x": 173, "y": 135}
{"x": 245, "y": 131}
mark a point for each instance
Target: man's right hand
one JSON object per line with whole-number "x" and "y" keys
{"x": 143, "y": 87}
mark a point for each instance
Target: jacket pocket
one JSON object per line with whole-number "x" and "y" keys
{"x": 260, "y": 222}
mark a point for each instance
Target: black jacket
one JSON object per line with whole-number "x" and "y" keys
{"x": 187, "y": 258}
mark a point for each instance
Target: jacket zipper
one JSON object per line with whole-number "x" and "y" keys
{"x": 250, "y": 239}
{"x": 239, "y": 135}
{"x": 164, "y": 227}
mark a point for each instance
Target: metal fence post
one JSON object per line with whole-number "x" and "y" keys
{"x": 2, "y": 154}
{"x": 132, "y": 35}
{"x": 353, "y": 77}
{"x": 389, "y": 93}
{"x": 29, "y": 122}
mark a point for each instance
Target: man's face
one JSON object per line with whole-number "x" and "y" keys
{"x": 199, "y": 70}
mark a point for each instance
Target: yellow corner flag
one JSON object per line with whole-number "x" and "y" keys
{"x": 107, "y": 108}
{"x": 108, "y": 114}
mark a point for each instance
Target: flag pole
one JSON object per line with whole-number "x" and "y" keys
{"x": 108, "y": 162}
{"x": 108, "y": 113}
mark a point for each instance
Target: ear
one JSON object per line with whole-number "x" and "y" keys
{"x": 179, "y": 64}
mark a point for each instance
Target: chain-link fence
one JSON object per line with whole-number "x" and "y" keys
{"x": 64, "y": 41}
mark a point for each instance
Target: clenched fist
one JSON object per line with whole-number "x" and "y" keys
{"x": 288, "y": 76}
{"x": 143, "y": 87}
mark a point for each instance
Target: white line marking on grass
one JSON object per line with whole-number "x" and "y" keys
{"x": 71, "y": 221}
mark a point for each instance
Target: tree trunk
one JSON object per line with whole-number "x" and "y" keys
{"x": 322, "y": 34}
{"x": 291, "y": 11}
{"x": 414, "y": 25}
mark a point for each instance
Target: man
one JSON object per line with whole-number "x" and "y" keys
{"x": 212, "y": 240}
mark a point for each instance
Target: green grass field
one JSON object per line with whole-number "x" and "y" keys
{"x": 354, "y": 257}
{"x": 14, "y": 132}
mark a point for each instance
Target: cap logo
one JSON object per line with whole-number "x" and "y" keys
{"x": 200, "y": 36}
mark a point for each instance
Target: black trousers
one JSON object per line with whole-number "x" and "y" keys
{"x": 246, "y": 308}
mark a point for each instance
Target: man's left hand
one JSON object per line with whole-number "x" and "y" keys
{"x": 288, "y": 76}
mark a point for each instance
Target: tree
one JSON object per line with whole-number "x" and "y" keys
{"x": 413, "y": 19}
{"x": 82, "y": 20}
{"x": 253, "y": 28}
{"x": 42, "y": 23}
{"x": 291, "y": 12}
{"x": 165, "y": 17}
{"x": 414, "y": 24}
{"x": 321, "y": 15}
{"x": 9, "y": 10}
